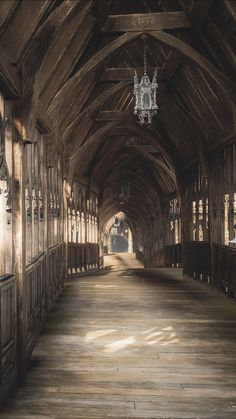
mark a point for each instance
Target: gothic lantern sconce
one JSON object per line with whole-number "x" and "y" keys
{"x": 145, "y": 94}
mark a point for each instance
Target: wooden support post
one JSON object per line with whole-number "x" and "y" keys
{"x": 65, "y": 226}
{"x": 47, "y": 236}
{"x": 18, "y": 212}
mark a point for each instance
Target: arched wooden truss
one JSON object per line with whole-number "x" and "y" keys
{"x": 77, "y": 61}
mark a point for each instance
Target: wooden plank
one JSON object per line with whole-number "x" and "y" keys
{"x": 119, "y": 344}
{"x": 146, "y": 22}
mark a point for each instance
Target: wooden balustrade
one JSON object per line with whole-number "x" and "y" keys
{"x": 8, "y": 334}
{"x": 36, "y": 299}
{"x": 82, "y": 257}
{"x": 197, "y": 260}
{"x": 55, "y": 263}
{"x": 170, "y": 256}
{"x": 224, "y": 269}
{"x": 44, "y": 284}
{"x": 173, "y": 255}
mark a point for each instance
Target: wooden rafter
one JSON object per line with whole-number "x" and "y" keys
{"x": 90, "y": 65}
{"x": 195, "y": 57}
{"x": 89, "y": 111}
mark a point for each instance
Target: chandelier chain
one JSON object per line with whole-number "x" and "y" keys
{"x": 145, "y": 57}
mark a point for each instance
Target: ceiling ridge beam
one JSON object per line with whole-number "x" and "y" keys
{"x": 146, "y": 22}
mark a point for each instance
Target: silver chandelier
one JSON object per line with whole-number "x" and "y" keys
{"x": 145, "y": 95}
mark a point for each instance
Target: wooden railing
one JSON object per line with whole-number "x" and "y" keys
{"x": 170, "y": 256}
{"x": 36, "y": 299}
{"x": 55, "y": 265}
{"x": 173, "y": 255}
{"x": 224, "y": 269}
{"x": 82, "y": 257}
{"x": 92, "y": 256}
{"x": 44, "y": 284}
{"x": 8, "y": 330}
{"x": 197, "y": 260}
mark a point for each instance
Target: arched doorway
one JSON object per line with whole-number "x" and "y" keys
{"x": 119, "y": 238}
{"x": 119, "y": 244}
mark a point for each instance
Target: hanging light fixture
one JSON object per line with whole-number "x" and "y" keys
{"x": 145, "y": 94}
{"x": 125, "y": 192}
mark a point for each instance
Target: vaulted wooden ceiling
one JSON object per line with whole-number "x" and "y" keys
{"x": 72, "y": 63}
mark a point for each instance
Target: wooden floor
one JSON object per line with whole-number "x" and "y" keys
{"x": 133, "y": 343}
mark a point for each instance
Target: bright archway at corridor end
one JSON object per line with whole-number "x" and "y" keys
{"x": 118, "y": 236}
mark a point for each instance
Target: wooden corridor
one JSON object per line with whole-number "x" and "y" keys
{"x": 132, "y": 343}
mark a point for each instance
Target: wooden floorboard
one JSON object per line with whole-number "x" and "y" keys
{"x": 132, "y": 343}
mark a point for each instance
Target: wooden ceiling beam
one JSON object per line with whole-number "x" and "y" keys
{"x": 88, "y": 67}
{"x": 6, "y": 10}
{"x": 43, "y": 119}
{"x": 9, "y": 77}
{"x": 182, "y": 48}
{"x": 89, "y": 111}
{"x": 193, "y": 56}
{"x": 56, "y": 67}
{"x": 104, "y": 165}
{"x": 94, "y": 139}
{"x": 146, "y": 22}
{"x": 22, "y": 27}
{"x": 148, "y": 156}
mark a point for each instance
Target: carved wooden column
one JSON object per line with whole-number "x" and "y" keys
{"x": 19, "y": 240}
{"x": 66, "y": 232}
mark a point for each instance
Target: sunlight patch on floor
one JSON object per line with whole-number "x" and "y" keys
{"x": 164, "y": 337}
{"x": 120, "y": 344}
{"x": 99, "y": 333}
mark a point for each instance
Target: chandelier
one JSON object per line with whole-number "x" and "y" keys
{"x": 145, "y": 94}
